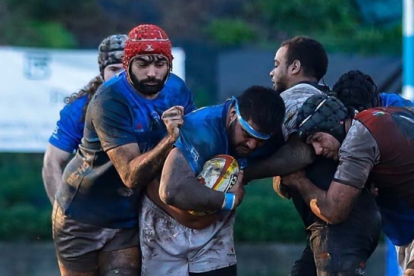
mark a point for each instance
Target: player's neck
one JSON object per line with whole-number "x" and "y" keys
{"x": 348, "y": 123}
{"x": 304, "y": 79}
{"x": 147, "y": 97}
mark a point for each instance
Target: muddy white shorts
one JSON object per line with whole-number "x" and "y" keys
{"x": 405, "y": 255}
{"x": 169, "y": 248}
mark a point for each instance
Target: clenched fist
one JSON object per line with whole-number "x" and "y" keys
{"x": 173, "y": 119}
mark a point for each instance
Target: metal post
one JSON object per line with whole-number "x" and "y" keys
{"x": 408, "y": 60}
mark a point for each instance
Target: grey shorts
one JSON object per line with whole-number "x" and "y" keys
{"x": 78, "y": 244}
{"x": 169, "y": 248}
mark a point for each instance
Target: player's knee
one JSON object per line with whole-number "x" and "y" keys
{"x": 122, "y": 271}
{"x": 125, "y": 262}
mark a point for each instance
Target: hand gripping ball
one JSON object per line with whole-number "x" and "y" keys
{"x": 220, "y": 174}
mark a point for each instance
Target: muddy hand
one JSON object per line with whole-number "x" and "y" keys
{"x": 173, "y": 119}
{"x": 238, "y": 189}
{"x": 293, "y": 179}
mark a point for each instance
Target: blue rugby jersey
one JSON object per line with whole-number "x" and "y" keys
{"x": 391, "y": 99}
{"x": 69, "y": 129}
{"x": 92, "y": 190}
{"x": 203, "y": 135}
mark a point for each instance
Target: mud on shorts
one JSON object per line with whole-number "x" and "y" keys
{"x": 78, "y": 244}
{"x": 341, "y": 249}
{"x": 405, "y": 255}
{"x": 169, "y": 248}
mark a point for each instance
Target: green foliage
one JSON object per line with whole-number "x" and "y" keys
{"x": 337, "y": 24}
{"x": 40, "y": 34}
{"x": 202, "y": 97}
{"x": 231, "y": 32}
{"x": 53, "y": 35}
{"x": 264, "y": 216}
{"x": 368, "y": 40}
{"x": 308, "y": 16}
{"x": 64, "y": 24}
{"x": 24, "y": 221}
{"x": 24, "y": 208}
{"x": 36, "y": 23}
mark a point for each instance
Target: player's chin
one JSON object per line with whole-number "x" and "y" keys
{"x": 243, "y": 151}
{"x": 331, "y": 155}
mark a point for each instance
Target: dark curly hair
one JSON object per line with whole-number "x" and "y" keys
{"x": 89, "y": 90}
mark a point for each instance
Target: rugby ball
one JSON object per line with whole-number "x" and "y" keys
{"x": 220, "y": 174}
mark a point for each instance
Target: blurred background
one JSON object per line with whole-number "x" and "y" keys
{"x": 227, "y": 46}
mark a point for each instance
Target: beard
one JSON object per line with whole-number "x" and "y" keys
{"x": 142, "y": 86}
{"x": 281, "y": 83}
{"x": 237, "y": 149}
{"x": 279, "y": 86}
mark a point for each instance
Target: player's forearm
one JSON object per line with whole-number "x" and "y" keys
{"x": 52, "y": 178}
{"x": 147, "y": 166}
{"x": 180, "y": 188}
{"x": 321, "y": 202}
{"x": 292, "y": 157}
{"x": 53, "y": 163}
{"x": 192, "y": 195}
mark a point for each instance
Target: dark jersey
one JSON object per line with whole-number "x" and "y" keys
{"x": 393, "y": 131}
{"x": 92, "y": 191}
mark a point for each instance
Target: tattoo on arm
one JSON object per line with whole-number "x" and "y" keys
{"x": 180, "y": 188}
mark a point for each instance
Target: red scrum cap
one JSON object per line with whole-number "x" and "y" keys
{"x": 147, "y": 40}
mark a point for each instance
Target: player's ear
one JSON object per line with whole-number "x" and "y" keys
{"x": 295, "y": 67}
{"x": 232, "y": 114}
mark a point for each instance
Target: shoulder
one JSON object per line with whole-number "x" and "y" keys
{"x": 359, "y": 141}
{"x": 107, "y": 103}
{"x": 206, "y": 124}
{"x": 79, "y": 102}
{"x": 113, "y": 87}
{"x": 202, "y": 136}
{"x": 174, "y": 81}
{"x": 108, "y": 92}
{"x": 176, "y": 85}
{"x": 74, "y": 109}
{"x": 357, "y": 129}
{"x": 376, "y": 114}
{"x": 205, "y": 114}
{"x": 295, "y": 96}
{"x": 205, "y": 127}
{"x": 392, "y": 99}
{"x": 302, "y": 90}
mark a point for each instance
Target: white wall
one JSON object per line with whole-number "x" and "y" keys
{"x": 33, "y": 84}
